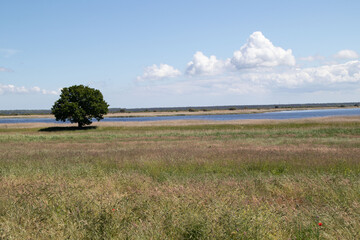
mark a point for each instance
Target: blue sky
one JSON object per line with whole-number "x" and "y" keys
{"x": 180, "y": 53}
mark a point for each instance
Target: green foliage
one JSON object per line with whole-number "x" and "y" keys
{"x": 80, "y": 104}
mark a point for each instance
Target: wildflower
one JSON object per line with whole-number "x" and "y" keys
{"x": 113, "y": 209}
{"x": 320, "y": 224}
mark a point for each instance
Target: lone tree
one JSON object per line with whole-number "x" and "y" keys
{"x": 80, "y": 104}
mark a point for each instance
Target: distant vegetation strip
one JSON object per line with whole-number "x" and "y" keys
{"x": 194, "y": 109}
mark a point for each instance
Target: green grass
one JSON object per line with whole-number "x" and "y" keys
{"x": 225, "y": 181}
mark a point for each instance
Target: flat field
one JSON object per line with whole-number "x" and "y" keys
{"x": 182, "y": 180}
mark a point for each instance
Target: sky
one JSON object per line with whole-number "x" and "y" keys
{"x": 143, "y": 54}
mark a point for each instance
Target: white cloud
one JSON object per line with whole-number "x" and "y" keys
{"x": 312, "y": 58}
{"x": 346, "y": 54}
{"x": 203, "y": 65}
{"x": 328, "y": 77}
{"x": 11, "y": 89}
{"x": 260, "y": 52}
{"x": 49, "y": 92}
{"x": 338, "y": 73}
{"x": 258, "y": 67}
{"x": 163, "y": 71}
{"x": 211, "y": 85}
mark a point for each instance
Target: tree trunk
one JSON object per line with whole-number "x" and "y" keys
{"x": 80, "y": 125}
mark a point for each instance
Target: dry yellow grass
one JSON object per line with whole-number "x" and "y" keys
{"x": 182, "y": 180}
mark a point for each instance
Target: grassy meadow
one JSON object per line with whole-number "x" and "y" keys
{"x": 234, "y": 180}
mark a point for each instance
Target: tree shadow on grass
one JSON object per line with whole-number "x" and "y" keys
{"x": 62, "y": 129}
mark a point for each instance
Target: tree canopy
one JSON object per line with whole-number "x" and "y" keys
{"x": 80, "y": 104}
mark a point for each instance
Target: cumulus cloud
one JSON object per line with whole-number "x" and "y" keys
{"x": 258, "y": 67}
{"x": 11, "y": 89}
{"x": 260, "y": 52}
{"x": 327, "y": 77}
{"x": 338, "y": 73}
{"x": 155, "y": 72}
{"x": 203, "y": 65}
{"x": 346, "y": 54}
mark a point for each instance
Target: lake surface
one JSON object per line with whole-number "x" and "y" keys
{"x": 296, "y": 114}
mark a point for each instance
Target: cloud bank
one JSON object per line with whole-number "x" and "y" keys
{"x": 346, "y": 54}
{"x": 325, "y": 78}
{"x": 257, "y": 67}
{"x": 6, "y": 89}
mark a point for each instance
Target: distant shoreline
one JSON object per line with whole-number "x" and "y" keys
{"x": 188, "y": 112}
{"x": 44, "y": 112}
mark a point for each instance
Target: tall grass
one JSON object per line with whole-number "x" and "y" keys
{"x": 226, "y": 181}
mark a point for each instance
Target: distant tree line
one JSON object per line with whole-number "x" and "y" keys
{"x": 199, "y": 108}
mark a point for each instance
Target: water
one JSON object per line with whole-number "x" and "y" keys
{"x": 298, "y": 114}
